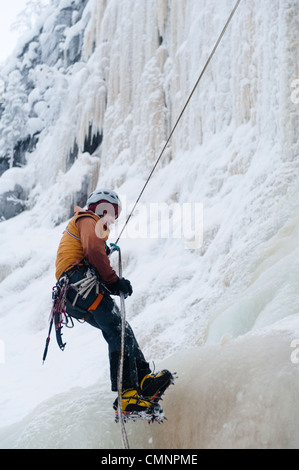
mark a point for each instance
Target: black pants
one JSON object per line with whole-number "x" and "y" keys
{"x": 107, "y": 318}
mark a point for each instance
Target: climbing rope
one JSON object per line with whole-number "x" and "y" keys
{"x": 122, "y": 301}
{"x": 121, "y": 360}
{"x": 181, "y": 114}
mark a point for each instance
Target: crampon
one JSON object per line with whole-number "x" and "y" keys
{"x": 151, "y": 415}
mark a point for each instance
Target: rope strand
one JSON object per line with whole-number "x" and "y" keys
{"x": 181, "y": 114}
{"x": 121, "y": 360}
{"x": 120, "y": 371}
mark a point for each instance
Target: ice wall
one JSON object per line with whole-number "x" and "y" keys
{"x": 223, "y": 315}
{"x": 236, "y": 395}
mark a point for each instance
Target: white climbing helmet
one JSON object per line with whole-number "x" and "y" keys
{"x": 104, "y": 195}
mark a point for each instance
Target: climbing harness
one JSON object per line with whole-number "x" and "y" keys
{"x": 83, "y": 288}
{"x": 180, "y": 115}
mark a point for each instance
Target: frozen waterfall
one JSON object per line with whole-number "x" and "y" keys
{"x": 90, "y": 97}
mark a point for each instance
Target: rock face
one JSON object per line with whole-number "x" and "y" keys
{"x": 34, "y": 86}
{"x": 107, "y": 79}
{"x": 12, "y": 202}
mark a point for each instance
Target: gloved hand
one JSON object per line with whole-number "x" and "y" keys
{"x": 107, "y": 249}
{"x": 121, "y": 285}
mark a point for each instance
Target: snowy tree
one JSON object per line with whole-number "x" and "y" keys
{"x": 14, "y": 117}
{"x": 26, "y": 18}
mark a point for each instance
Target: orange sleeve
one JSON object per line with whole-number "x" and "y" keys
{"x": 94, "y": 249}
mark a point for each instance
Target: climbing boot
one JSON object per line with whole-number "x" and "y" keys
{"x": 154, "y": 385}
{"x": 131, "y": 401}
{"x": 135, "y": 407}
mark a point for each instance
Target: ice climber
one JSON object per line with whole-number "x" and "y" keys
{"x": 82, "y": 257}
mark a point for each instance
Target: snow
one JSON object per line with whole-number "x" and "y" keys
{"x": 223, "y": 314}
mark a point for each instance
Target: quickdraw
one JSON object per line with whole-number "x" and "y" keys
{"x": 85, "y": 285}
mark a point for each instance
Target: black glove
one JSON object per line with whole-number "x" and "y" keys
{"x": 121, "y": 286}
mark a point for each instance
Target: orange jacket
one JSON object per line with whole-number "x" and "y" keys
{"x": 84, "y": 238}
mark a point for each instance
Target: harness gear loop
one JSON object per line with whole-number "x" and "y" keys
{"x": 96, "y": 303}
